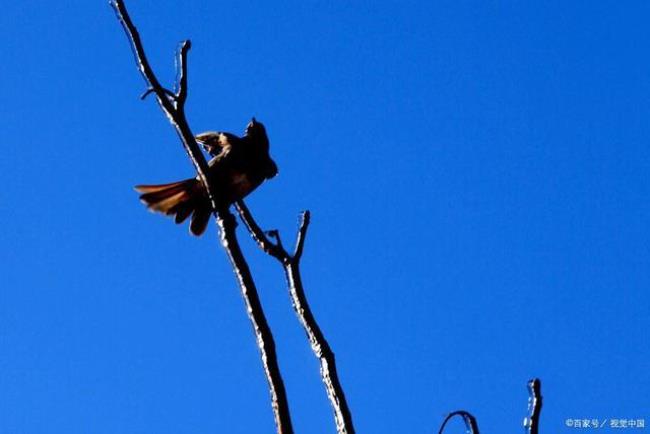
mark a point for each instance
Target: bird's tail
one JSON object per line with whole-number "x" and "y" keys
{"x": 180, "y": 199}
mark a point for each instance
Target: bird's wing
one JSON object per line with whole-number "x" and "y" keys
{"x": 216, "y": 143}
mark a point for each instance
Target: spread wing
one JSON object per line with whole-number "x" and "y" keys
{"x": 216, "y": 143}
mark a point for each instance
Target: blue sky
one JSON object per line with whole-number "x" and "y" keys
{"x": 478, "y": 178}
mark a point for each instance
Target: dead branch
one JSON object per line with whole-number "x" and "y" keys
{"x": 470, "y": 421}
{"x": 531, "y": 423}
{"x": 320, "y": 347}
{"x": 173, "y": 105}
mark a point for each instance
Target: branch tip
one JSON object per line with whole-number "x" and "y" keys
{"x": 181, "y": 72}
{"x": 470, "y": 421}
{"x": 305, "y": 218}
{"x": 531, "y": 422}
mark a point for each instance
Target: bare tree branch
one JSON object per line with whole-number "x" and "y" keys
{"x": 470, "y": 421}
{"x": 302, "y": 234}
{"x": 531, "y": 422}
{"x": 319, "y": 345}
{"x": 265, "y": 341}
{"x": 152, "y": 90}
{"x": 173, "y": 105}
{"x": 181, "y": 67}
{"x": 175, "y": 112}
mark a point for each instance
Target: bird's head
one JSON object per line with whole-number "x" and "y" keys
{"x": 256, "y": 131}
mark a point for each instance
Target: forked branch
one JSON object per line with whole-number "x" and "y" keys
{"x": 173, "y": 105}
{"x": 319, "y": 345}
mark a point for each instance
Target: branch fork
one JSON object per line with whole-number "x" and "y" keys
{"x": 319, "y": 345}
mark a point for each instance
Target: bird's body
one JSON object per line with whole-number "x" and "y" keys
{"x": 239, "y": 166}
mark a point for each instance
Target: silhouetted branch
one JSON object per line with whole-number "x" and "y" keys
{"x": 181, "y": 66}
{"x": 265, "y": 341}
{"x": 302, "y": 234}
{"x": 319, "y": 345}
{"x": 152, "y": 90}
{"x": 258, "y": 235}
{"x": 173, "y": 105}
{"x": 174, "y": 110}
{"x": 531, "y": 423}
{"x": 470, "y": 421}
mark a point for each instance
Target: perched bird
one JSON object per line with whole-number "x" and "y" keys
{"x": 239, "y": 166}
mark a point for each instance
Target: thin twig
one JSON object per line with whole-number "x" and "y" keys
{"x": 258, "y": 234}
{"x": 470, "y": 421}
{"x": 152, "y": 90}
{"x": 181, "y": 66}
{"x": 305, "y": 218}
{"x": 531, "y": 422}
{"x": 317, "y": 341}
{"x": 174, "y": 109}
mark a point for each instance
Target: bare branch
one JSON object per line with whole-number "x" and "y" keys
{"x": 305, "y": 217}
{"x": 136, "y": 45}
{"x": 264, "y": 337}
{"x": 175, "y": 111}
{"x": 152, "y": 90}
{"x": 470, "y": 421}
{"x": 258, "y": 235}
{"x": 531, "y": 422}
{"x": 320, "y": 348}
{"x": 181, "y": 66}
{"x": 319, "y": 345}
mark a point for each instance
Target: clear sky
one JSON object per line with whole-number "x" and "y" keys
{"x": 478, "y": 178}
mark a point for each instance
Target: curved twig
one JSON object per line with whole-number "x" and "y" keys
{"x": 174, "y": 109}
{"x": 258, "y": 235}
{"x": 152, "y": 90}
{"x": 531, "y": 422}
{"x": 319, "y": 345}
{"x": 470, "y": 421}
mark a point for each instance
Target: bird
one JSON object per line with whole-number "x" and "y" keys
{"x": 239, "y": 165}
